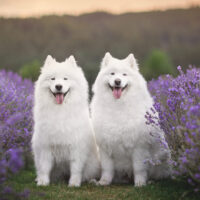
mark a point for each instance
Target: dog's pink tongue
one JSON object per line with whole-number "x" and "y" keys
{"x": 59, "y": 98}
{"x": 117, "y": 92}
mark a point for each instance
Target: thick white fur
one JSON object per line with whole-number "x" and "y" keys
{"x": 63, "y": 141}
{"x": 125, "y": 141}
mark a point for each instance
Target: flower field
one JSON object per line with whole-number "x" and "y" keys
{"x": 177, "y": 101}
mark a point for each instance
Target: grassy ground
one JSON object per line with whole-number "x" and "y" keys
{"x": 165, "y": 189}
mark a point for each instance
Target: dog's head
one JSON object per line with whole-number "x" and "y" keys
{"x": 59, "y": 79}
{"x": 117, "y": 76}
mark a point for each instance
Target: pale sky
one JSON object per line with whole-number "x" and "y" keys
{"x": 25, "y": 8}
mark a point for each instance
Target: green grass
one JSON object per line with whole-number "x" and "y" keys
{"x": 161, "y": 190}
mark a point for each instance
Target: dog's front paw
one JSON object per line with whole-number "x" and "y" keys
{"x": 140, "y": 181}
{"x": 103, "y": 182}
{"x": 42, "y": 181}
{"x": 74, "y": 182}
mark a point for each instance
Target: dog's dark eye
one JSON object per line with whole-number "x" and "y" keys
{"x": 52, "y": 79}
{"x": 65, "y": 78}
{"x": 112, "y": 73}
{"x": 124, "y": 74}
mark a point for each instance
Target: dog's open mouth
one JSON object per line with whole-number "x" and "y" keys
{"x": 117, "y": 90}
{"x": 60, "y": 96}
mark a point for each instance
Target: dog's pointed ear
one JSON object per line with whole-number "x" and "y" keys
{"x": 132, "y": 61}
{"x": 72, "y": 60}
{"x": 106, "y": 59}
{"x": 48, "y": 61}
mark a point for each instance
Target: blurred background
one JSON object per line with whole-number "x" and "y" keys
{"x": 161, "y": 34}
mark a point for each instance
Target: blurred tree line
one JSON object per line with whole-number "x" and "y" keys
{"x": 159, "y": 40}
{"x": 30, "y": 70}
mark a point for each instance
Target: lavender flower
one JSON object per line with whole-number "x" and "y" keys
{"x": 177, "y": 101}
{"x": 15, "y": 127}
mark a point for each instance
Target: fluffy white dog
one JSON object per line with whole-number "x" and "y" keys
{"x": 63, "y": 141}
{"x": 126, "y": 143}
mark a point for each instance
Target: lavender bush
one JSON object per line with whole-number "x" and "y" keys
{"x": 16, "y": 98}
{"x": 177, "y": 101}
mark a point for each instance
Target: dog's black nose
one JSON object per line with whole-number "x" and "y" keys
{"x": 117, "y": 82}
{"x": 58, "y": 87}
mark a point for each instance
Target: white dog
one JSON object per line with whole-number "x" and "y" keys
{"x": 125, "y": 141}
{"x": 63, "y": 138}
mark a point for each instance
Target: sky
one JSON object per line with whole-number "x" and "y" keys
{"x": 26, "y": 8}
